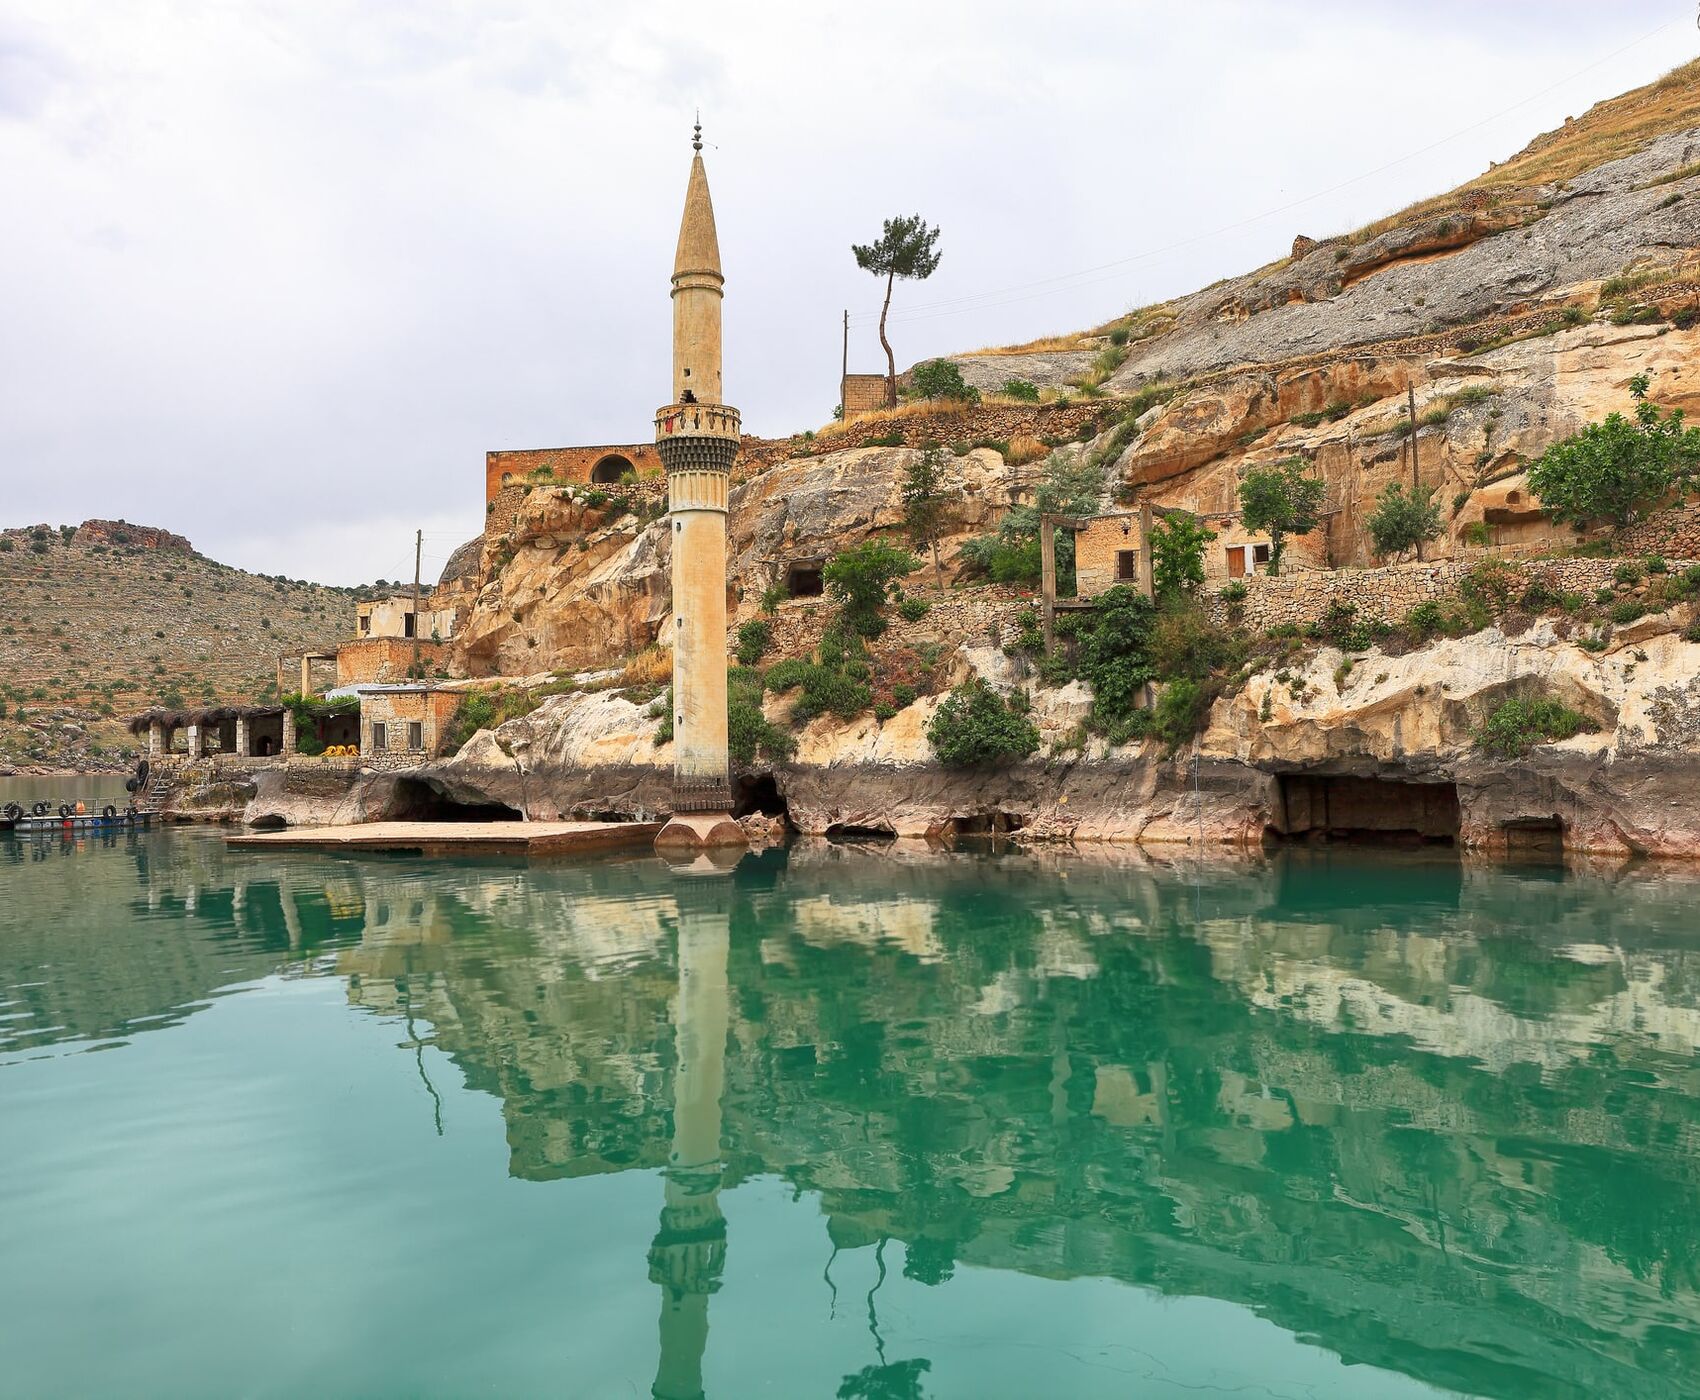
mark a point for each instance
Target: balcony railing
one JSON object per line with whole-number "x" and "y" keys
{"x": 698, "y": 420}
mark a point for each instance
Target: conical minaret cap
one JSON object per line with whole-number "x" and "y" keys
{"x": 699, "y": 246}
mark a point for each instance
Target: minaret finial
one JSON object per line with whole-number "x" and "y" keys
{"x": 696, "y": 139}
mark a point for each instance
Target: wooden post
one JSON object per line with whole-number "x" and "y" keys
{"x": 1147, "y": 561}
{"x": 306, "y": 675}
{"x": 418, "y": 545}
{"x": 1048, "y": 578}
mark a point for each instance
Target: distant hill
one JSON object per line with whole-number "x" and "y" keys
{"x": 101, "y": 620}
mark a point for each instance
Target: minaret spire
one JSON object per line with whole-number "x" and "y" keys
{"x": 698, "y": 438}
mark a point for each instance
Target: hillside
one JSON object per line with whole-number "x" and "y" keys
{"x": 104, "y": 619}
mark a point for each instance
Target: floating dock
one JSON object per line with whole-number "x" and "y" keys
{"x": 455, "y": 838}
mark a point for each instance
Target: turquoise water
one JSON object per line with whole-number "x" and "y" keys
{"x": 843, "y": 1123}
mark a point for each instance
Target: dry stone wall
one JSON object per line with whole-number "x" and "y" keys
{"x": 1392, "y": 592}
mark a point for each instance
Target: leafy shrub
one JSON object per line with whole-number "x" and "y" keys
{"x": 748, "y": 732}
{"x": 861, "y": 579}
{"x": 775, "y": 594}
{"x": 941, "y": 379}
{"x": 1180, "y": 712}
{"x": 1616, "y": 470}
{"x": 1119, "y": 336}
{"x": 827, "y": 688}
{"x": 913, "y": 609}
{"x": 1656, "y": 564}
{"x": 1281, "y": 500}
{"x": 1402, "y": 520}
{"x": 893, "y": 439}
{"x": 6, "y": 546}
{"x": 1021, "y": 389}
{"x": 1177, "y": 554}
{"x": 1233, "y": 593}
{"x": 1517, "y": 726}
{"x": 1627, "y": 574}
{"x": 754, "y": 638}
{"x": 975, "y": 725}
{"x": 1626, "y": 611}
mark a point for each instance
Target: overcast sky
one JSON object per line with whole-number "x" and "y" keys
{"x": 277, "y": 272}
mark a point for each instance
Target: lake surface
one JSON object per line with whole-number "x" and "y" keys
{"x": 843, "y": 1123}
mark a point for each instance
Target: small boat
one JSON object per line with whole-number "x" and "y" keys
{"x": 43, "y": 817}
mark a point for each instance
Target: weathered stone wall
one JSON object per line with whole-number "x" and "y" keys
{"x": 1098, "y": 550}
{"x": 1390, "y": 593}
{"x": 980, "y": 616}
{"x": 513, "y": 468}
{"x": 377, "y": 660}
{"x": 863, "y": 393}
{"x": 121, "y": 534}
{"x": 959, "y": 424}
{"x": 1670, "y": 533}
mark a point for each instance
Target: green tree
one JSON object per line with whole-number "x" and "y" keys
{"x": 905, "y": 248}
{"x": 1281, "y": 500}
{"x": 861, "y": 578}
{"x": 974, "y": 724}
{"x": 1404, "y": 520}
{"x": 941, "y": 379}
{"x": 924, "y": 502}
{"x": 1616, "y": 470}
{"x": 1177, "y": 554}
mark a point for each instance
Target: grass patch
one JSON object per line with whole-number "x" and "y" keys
{"x": 1519, "y": 726}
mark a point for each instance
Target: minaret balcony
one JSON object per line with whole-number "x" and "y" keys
{"x": 714, "y": 420}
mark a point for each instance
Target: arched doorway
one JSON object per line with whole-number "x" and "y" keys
{"x": 610, "y": 469}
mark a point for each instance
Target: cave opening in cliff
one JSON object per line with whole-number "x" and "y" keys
{"x": 994, "y": 823}
{"x": 759, "y": 794}
{"x": 805, "y": 579}
{"x": 851, "y": 833}
{"x": 418, "y": 801}
{"x": 1365, "y": 811}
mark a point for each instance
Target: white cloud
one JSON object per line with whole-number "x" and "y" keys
{"x": 279, "y": 272}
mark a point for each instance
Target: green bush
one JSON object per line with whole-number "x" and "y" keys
{"x": 6, "y": 546}
{"x": 1402, "y": 520}
{"x": 861, "y": 578}
{"x": 1626, "y": 611}
{"x": 748, "y": 732}
{"x": 1021, "y": 389}
{"x": 827, "y": 688}
{"x": 1177, "y": 553}
{"x": 1281, "y": 500}
{"x": 1180, "y": 712}
{"x": 1616, "y": 470}
{"x": 1232, "y": 593}
{"x": 1518, "y": 726}
{"x": 754, "y": 638}
{"x": 913, "y": 609}
{"x": 1627, "y": 574}
{"x": 1656, "y": 565}
{"x": 941, "y": 379}
{"x": 974, "y": 725}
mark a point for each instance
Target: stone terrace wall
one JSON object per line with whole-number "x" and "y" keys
{"x": 1392, "y": 592}
{"x": 981, "y": 616}
{"x": 1671, "y": 533}
{"x": 994, "y": 422}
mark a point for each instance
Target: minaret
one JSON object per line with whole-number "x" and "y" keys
{"x": 697, "y": 436}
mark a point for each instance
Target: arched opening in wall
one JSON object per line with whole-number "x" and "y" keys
{"x": 804, "y": 579}
{"x": 1365, "y": 811}
{"x": 759, "y": 794}
{"x": 417, "y": 801}
{"x": 997, "y": 822}
{"x": 611, "y": 468}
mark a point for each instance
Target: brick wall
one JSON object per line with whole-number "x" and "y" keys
{"x": 1389, "y": 593}
{"x": 1097, "y": 554}
{"x": 513, "y": 468}
{"x": 379, "y": 660}
{"x": 863, "y": 393}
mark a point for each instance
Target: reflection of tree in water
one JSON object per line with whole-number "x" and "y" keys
{"x": 897, "y": 1380}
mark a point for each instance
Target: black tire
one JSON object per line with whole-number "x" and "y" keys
{"x": 65, "y": 809}
{"x": 109, "y": 811}
{"x": 13, "y": 811}
{"x": 141, "y": 775}
{"x": 129, "y": 785}
{"x": 39, "y": 810}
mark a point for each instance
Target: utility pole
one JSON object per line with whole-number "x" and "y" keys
{"x": 418, "y": 547}
{"x": 844, "y": 374}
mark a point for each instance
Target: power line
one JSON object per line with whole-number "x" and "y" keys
{"x": 976, "y": 301}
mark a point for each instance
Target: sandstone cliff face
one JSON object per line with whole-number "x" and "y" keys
{"x": 1405, "y": 723}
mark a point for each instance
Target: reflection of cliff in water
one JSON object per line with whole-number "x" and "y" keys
{"x": 1361, "y": 1109}
{"x": 140, "y": 929}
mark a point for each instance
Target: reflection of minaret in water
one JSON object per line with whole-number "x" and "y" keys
{"x": 689, "y": 1252}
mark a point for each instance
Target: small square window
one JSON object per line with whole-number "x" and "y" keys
{"x": 1260, "y": 554}
{"x": 1127, "y": 565}
{"x": 415, "y": 735}
{"x": 380, "y": 738}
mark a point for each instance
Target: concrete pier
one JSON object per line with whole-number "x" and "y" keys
{"x": 456, "y": 838}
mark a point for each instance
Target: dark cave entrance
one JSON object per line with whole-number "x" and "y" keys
{"x": 851, "y": 834}
{"x": 418, "y": 801}
{"x": 1365, "y": 811}
{"x": 759, "y": 793}
{"x": 997, "y": 822}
